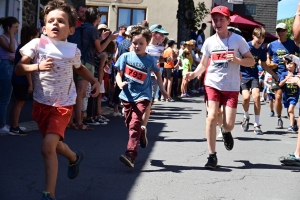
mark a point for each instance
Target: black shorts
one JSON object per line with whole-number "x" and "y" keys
{"x": 249, "y": 84}
{"x": 168, "y": 72}
{"x": 20, "y": 91}
{"x": 180, "y": 74}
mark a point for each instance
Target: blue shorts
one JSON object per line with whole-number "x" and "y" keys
{"x": 289, "y": 102}
{"x": 271, "y": 96}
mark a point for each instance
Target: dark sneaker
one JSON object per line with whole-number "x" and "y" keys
{"x": 279, "y": 124}
{"x": 212, "y": 161}
{"x": 272, "y": 114}
{"x": 127, "y": 160}
{"x": 257, "y": 130}
{"x": 73, "y": 168}
{"x": 143, "y": 138}
{"x": 46, "y": 196}
{"x": 291, "y": 130}
{"x": 227, "y": 139}
{"x": 17, "y": 131}
{"x": 101, "y": 122}
{"x": 103, "y": 118}
{"x": 91, "y": 122}
{"x": 245, "y": 124}
{"x": 290, "y": 160}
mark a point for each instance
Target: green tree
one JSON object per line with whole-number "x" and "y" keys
{"x": 289, "y": 22}
{"x": 200, "y": 13}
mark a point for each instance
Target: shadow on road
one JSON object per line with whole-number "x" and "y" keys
{"x": 255, "y": 139}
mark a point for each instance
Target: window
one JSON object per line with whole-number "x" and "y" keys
{"x": 130, "y": 16}
{"x": 104, "y": 13}
{"x": 250, "y": 9}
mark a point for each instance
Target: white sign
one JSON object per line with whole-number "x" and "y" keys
{"x": 56, "y": 49}
{"x": 236, "y": 1}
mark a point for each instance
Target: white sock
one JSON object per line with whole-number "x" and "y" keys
{"x": 246, "y": 114}
{"x": 296, "y": 156}
{"x": 256, "y": 120}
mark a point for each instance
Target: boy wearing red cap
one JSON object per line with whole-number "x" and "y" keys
{"x": 226, "y": 51}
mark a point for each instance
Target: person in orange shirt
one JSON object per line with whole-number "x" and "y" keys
{"x": 168, "y": 71}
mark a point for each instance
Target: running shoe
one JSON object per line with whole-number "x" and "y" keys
{"x": 227, "y": 139}
{"x": 257, "y": 130}
{"x": 279, "y": 124}
{"x": 127, "y": 160}
{"x": 91, "y": 122}
{"x": 17, "y": 131}
{"x": 289, "y": 160}
{"x": 73, "y": 168}
{"x": 46, "y": 196}
{"x": 212, "y": 161}
{"x": 245, "y": 124}
{"x": 291, "y": 130}
{"x": 272, "y": 114}
{"x": 104, "y": 119}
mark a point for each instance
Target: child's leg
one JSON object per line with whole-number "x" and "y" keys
{"x": 15, "y": 112}
{"x": 220, "y": 117}
{"x": 211, "y": 123}
{"x": 291, "y": 114}
{"x": 271, "y": 102}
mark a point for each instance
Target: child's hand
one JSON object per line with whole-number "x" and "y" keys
{"x": 95, "y": 90}
{"x": 122, "y": 85}
{"x": 165, "y": 94}
{"x": 113, "y": 36}
{"x": 231, "y": 58}
{"x": 189, "y": 76}
{"x": 30, "y": 89}
{"x": 46, "y": 65}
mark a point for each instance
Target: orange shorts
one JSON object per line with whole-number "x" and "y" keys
{"x": 51, "y": 119}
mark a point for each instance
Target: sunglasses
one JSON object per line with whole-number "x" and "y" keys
{"x": 280, "y": 30}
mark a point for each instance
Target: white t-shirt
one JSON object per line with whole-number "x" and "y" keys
{"x": 223, "y": 75}
{"x": 268, "y": 76}
{"x": 155, "y": 51}
{"x": 55, "y": 87}
{"x": 199, "y": 39}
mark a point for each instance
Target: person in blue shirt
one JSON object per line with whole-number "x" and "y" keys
{"x": 290, "y": 94}
{"x": 250, "y": 79}
{"x": 276, "y": 51}
{"x": 136, "y": 94}
{"x": 122, "y": 35}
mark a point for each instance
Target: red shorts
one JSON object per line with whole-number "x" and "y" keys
{"x": 51, "y": 119}
{"x": 106, "y": 80}
{"x": 227, "y": 98}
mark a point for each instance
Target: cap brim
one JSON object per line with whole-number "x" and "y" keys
{"x": 220, "y": 12}
{"x": 161, "y": 31}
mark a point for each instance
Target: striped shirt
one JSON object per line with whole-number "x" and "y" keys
{"x": 155, "y": 51}
{"x": 55, "y": 87}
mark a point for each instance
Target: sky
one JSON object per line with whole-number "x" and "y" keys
{"x": 286, "y": 9}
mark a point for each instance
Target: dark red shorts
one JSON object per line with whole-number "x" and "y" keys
{"x": 227, "y": 98}
{"x": 106, "y": 80}
{"x": 51, "y": 119}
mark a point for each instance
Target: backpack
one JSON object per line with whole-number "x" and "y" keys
{"x": 77, "y": 39}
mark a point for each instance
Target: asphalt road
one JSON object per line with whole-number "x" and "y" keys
{"x": 171, "y": 167}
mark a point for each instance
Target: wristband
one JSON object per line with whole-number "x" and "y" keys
{"x": 38, "y": 69}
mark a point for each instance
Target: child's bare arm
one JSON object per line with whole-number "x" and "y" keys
{"x": 84, "y": 72}
{"x": 119, "y": 81}
{"x": 24, "y": 67}
{"x": 283, "y": 82}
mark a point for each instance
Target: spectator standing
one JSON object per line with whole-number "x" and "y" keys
{"x": 80, "y": 9}
{"x": 122, "y": 35}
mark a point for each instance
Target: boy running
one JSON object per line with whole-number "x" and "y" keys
{"x": 136, "y": 94}
{"x": 250, "y": 79}
{"x": 54, "y": 89}
{"x": 226, "y": 51}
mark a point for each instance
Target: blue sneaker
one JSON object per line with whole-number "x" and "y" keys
{"x": 73, "y": 168}
{"x": 257, "y": 130}
{"x": 46, "y": 196}
{"x": 291, "y": 129}
{"x": 272, "y": 114}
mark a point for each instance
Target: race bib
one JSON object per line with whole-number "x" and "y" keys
{"x": 219, "y": 56}
{"x": 135, "y": 74}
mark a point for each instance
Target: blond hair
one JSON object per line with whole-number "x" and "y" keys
{"x": 259, "y": 32}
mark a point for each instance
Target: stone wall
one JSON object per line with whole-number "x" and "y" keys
{"x": 29, "y": 12}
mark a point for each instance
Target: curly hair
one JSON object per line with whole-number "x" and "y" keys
{"x": 63, "y": 6}
{"x": 141, "y": 30}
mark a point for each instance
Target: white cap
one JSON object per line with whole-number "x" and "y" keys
{"x": 128, "y": 30}
{"x": 282, "y": 26}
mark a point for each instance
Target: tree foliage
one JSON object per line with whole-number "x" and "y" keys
{"x": 200, "y": 13}
{"x": 289, "y": 22}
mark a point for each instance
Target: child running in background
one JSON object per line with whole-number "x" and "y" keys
{"x": 54, "y": 89}
{"x": 290, "y": 94}
{"x": 22, "y": 85}
{"x": 136, "y": 94}
{"x": 270, "y": 92}
{"x": 186, "y": 67}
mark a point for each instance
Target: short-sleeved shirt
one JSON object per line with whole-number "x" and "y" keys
{"x": 258, "y": 54}
{"x": 90, "y": 34}
{"x": 278, "y": 49}
{"x": 186, "y": 66}
{"x": 15, "y": 78}
{"x": 155, "y": 51}
{"x": 223, "y": 75}
{"x": 119, "y": 39}
{"x": 136, "y": 70}
{"x": 123, "y": 47}
{"x": 268, "y": 78}
{"x": 199, "y": 39}
{"x": 289, "y": 91}
{"x": 168, "y": 53}
{"x": 55, "y": 87}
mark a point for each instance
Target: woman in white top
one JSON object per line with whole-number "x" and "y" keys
{"x": 8, "y": 46}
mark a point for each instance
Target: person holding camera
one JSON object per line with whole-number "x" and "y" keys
{"x": 276, "y": 51}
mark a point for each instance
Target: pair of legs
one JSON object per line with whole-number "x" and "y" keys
{"x": 278, "y": 102}
{"x": 184, "y": 86}
{"x": 256, "y": 100}
{"x": 168, "y": 81}
{"x": 291, "y": 114}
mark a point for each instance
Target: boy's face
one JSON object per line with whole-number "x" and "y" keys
{"x": 57, "y": 25}
{"x": 291, "y": 67}
{"x": 258, "y": 40}
{"x": 220, "y": 22}
{"x": 139, "y": 44}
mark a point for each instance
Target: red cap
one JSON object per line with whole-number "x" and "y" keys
{"x": 223, "y": 10}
